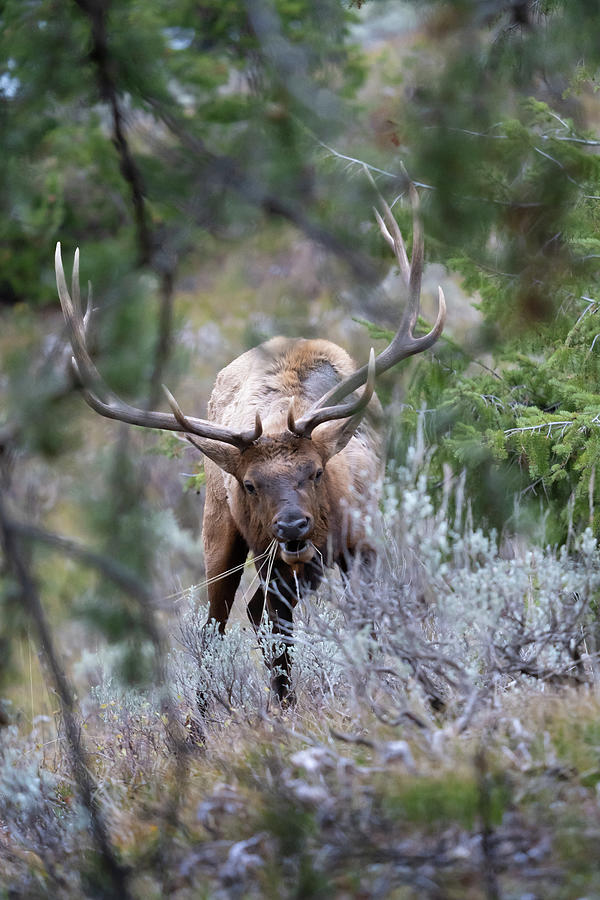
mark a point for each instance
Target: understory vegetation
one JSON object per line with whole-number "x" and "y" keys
{"x": 444, "y": 740}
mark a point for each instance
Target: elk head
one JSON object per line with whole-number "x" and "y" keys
{"x": 280, "y": 494}
{"x": 279, "y": 484}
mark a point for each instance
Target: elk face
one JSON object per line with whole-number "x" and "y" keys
{"x": 281, "y": 489}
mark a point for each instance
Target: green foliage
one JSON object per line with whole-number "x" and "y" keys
{"x": 529, "y": 430}
{"x": 196, "y": 482}
{"x": 439, "y": 803}
{"x": 200, "y": 90}
{"x": 513, "y": 207}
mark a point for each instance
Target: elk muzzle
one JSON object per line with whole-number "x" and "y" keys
{"x": 291, "y": 528}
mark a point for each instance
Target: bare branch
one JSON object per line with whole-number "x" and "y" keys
{"x": 88, "y": 788}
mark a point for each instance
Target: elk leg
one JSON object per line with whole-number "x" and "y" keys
{"x": 280, "y": 618}
{"x": 224, "y": 549}
{"x": 282, "y": 626}
{"x": 255, "y": 608}
{"x": 360, "y": 559}
{"x": 280, "y": 604}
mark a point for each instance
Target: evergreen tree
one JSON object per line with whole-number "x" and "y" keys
{"x": 500, "y": 127}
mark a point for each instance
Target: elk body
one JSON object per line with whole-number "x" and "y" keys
{"x": 300, "y": 491}
{"x": 294, "y": 453}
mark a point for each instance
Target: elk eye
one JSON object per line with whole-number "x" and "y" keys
{"x": 318, "y": 475}
{"x": 250, "y": 489}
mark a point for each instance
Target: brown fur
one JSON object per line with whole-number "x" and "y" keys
{"x": 282, "y": 469}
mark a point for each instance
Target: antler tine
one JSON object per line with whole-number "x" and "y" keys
{"x": 417, "y": 259}
{"x": 404, "y": 343}
{"x": 82, "y": 363}
{"x": 87, "y": 318}
{"x": 104, "y": 401}
{"x": 186, "y": 425}
{"x": 354, "y": 408}
{"x": 384, "y": 230}
{"x": 392, "y": 234}
{"x": 390, "y": 228}
{"x": 75, "y": 292}
{"x": 242, "y": 439}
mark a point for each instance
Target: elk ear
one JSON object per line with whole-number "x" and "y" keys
{"x": 331, "y": 437}
{"x": 224, "y": 456}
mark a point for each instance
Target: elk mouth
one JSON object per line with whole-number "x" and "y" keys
{"x": 296, "y": 551}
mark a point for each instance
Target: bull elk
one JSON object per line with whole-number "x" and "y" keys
{"x": 293, "y": 454}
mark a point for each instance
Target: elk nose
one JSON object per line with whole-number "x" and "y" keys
{"x": 291, "y": 527}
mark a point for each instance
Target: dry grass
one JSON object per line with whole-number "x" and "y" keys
{"x": 416, "y": 763}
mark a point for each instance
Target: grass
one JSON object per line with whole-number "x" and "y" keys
{"x": 364, "y": 788}
{"x": 275, "y": 805}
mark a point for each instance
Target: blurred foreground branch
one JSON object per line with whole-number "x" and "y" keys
{"x": 228, "y": 172}
{"x": 88, "y": 789}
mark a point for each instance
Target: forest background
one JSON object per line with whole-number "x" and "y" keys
{"x": 217, "y": 163}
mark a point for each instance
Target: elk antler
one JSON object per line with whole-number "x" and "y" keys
{"x": 104, "y": 401}
{"x": 404, "y": 343}
{"x": 306, "y": 425}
